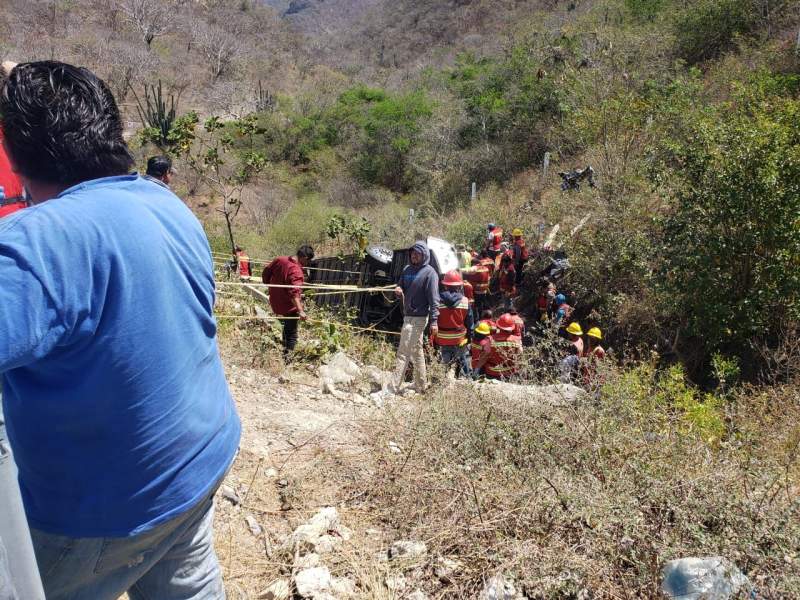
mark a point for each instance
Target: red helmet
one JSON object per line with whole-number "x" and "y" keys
{"x": 506, "y": 322}
{"x": 453, "y": 278}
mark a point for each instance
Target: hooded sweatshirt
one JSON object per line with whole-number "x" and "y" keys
{"x": 420, "y": 284}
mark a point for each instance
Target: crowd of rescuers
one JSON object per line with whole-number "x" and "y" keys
{"x": 458, "y": 312}
{"x": 477, "y": 344}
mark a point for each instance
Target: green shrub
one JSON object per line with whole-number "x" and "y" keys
{"x": 660, "y": 396}
{"x": 304, "y": 223}
{"x": 383, "y": 129}
{"x": 645, "y": 10}
{"x": 730, "y": 268}
{"x": 508, "y": 101}
{"x": 709, "y": 27}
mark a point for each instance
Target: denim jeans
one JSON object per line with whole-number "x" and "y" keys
{"x": 173, "y": 561}
{"x": 456, "y": 355}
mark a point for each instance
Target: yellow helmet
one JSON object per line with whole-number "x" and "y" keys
{"x": 517, "y": 232}
{"x": 574, "y": 328}
{"x": 483, "y": 328}
{"x": 595, "y": 333}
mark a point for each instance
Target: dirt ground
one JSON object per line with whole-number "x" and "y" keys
{"x": 300, "y": 451}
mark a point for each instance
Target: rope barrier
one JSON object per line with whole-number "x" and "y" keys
{"x": 311, "y": 286}
{"x": 353, "y": 327}
{"x": 226, "y": 258}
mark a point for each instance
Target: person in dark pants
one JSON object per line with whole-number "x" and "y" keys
{"x": 287, "y": 302}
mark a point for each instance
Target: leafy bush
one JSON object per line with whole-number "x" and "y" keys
{"x": 304, "y": 223}
{"x": 730, "y": 266}
{"x": 383, "y": 129}
{"x": 708, "y": 27}
{"x": 645, "y": 10}
{"x": 508, "y": 101}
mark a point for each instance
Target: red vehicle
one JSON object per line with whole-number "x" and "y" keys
{"x": 13, "y": 197}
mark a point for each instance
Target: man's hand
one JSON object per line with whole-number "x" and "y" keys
{"x": 302, "y": 315}
{"x": 398, "y": 291}
{"x": 434, "y": 330}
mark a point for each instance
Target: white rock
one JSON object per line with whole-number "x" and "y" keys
{"x": 340, "y": 370}
{"x": 396, "y": 582}
{"x": 500, "y": 588}
{"x": 417, "y": 595}
{"x": 544, "y": 395}
{"x": 229, "y": 494}
{"x": 379, "y": 398}
{"x": 327, "y": 543}
{"x": 253, "y": 525}
{"x": 271, "y": 473}
{"x": 325, "y": 522}
{"x": 407, "y": 549}
{"x": 446, "y": 568}
{"x": 309, "y": 561}
{"x": 713, "y": 578}
{"x": 379, "y": 379}
{"x": 312, "y": 582}
{"x": 342, "y": 587}
{"x": 393, "y": 447}
{"x": 277, "y": 590}
{"x": 344, "y": 532}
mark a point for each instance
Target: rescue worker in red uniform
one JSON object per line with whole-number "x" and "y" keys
{"x": 574, "y": 334}
{"x": 469, "y": 292}
{"x": 454, "y": 323}
{"x": 479, "y": 276}
{"x": 481, "y": 347}
{"x": 519, "y": 322}
{"x": 520, "y": 253}
{"x": 494, "y": 240}
{"x": 243, "y": 262}
{"x": 488, "y": 318}
{"x": 593, "y": 353}
{"x": 506, "y": 351}
{"x": 507, "y": 279}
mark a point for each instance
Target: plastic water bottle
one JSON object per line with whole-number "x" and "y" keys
{"x": 19, "y": 574}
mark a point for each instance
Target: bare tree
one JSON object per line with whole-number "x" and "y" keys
{"x": 219, "y": 47}
{"x": 151, "y": 18}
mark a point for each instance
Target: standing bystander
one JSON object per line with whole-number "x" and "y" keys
{"x": 418, "y": 289}
{"x": 286, "y": 298}
{"x": 116, "y": 404}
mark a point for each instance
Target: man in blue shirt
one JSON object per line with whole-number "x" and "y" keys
{"x": 116, "y": 404}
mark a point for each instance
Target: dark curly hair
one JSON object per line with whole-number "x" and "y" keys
{"x": 61, "y": 124}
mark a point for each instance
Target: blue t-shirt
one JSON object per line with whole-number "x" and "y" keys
{"x": 116, "y": 403}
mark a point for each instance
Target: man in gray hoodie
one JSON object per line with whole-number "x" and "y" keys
{"x": 419, "y": 289}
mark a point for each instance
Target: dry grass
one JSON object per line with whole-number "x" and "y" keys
{"x": 593, "y": 497}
